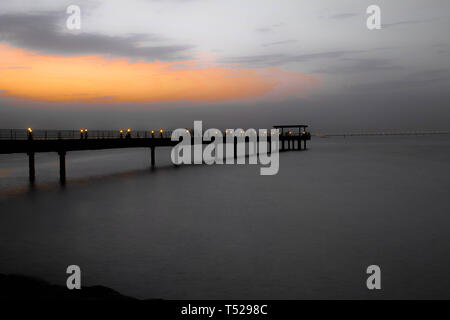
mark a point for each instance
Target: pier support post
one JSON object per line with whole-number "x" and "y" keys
{"x": 31, "y": 167}
{"x": 62, "y": 167}
{"x": 304, "y": 144}
{"x": 152, "y": 156}
{"x": 235, "y": 148}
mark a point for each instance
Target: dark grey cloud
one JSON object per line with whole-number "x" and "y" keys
{"x": 436, "y": 79}
{"x": 345, "y": 111}
{"x": 46, "y": 33}
{"x": 280, "y": 59}
{"x": 358, "y": 65}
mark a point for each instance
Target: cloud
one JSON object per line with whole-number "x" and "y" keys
{"x": 14, "y": 67}
{"x": 45, "y": 33}
{"x": 268, "y": 29}
{"x": 280, "y": 59}
{"x": 263, "y": 30}
{"x": 94, "y": 79}
{"x": 176, "y": 1}
{"x": 277, "y": 43}
{"x": 434, "y": 78}
{"x": 355, "y": 65}
{"x": 342, "y": 16}
{"x": 407, "y": 22}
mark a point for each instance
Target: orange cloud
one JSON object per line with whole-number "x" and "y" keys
{"x": 28, "y": 75}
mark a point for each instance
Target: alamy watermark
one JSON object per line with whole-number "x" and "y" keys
{"x": 73, "y": 22}
{"x": 74, "y": 280}
{"x": 374, "y": 20}
{"x": 374, "y": 280}
{"x": 228, "y": 147}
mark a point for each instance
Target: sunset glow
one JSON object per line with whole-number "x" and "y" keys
{"x": 94, "y": 78}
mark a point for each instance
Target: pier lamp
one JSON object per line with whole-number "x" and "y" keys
{"x": 30, "y": 133}
{"x": 85, "y": 133}
{"x": 121, "y": 133}
{"x": 187, "y": 131}
{"x": 128, "y": 136}
{"x": 81, "y": 133}
{"x": 153, "y": 133}
{"x": 161, "y": 131}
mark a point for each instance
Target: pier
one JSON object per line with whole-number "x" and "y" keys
{"x": 30, "y": 142}
{"x": 290, "y": 134}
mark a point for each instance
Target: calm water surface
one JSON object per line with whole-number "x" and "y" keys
{"x": 221, "y": 232}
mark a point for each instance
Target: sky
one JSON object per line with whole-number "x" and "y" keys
{"x": 251, "y": 63}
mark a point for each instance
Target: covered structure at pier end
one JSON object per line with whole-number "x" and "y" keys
{"x": 289, "y": 134}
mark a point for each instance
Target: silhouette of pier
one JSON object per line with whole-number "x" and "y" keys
{"x": 30, "y": 142}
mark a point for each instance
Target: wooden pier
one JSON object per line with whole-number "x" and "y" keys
{"x": 30, "y": 142}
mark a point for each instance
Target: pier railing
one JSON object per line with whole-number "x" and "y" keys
{"x": 40, "y": 134}
{"x": 21, "y": 134}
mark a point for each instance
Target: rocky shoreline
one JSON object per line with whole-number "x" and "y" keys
{"x": 19, "y": 287}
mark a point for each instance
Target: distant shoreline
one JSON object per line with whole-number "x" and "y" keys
{"x": 362, "y": 134}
